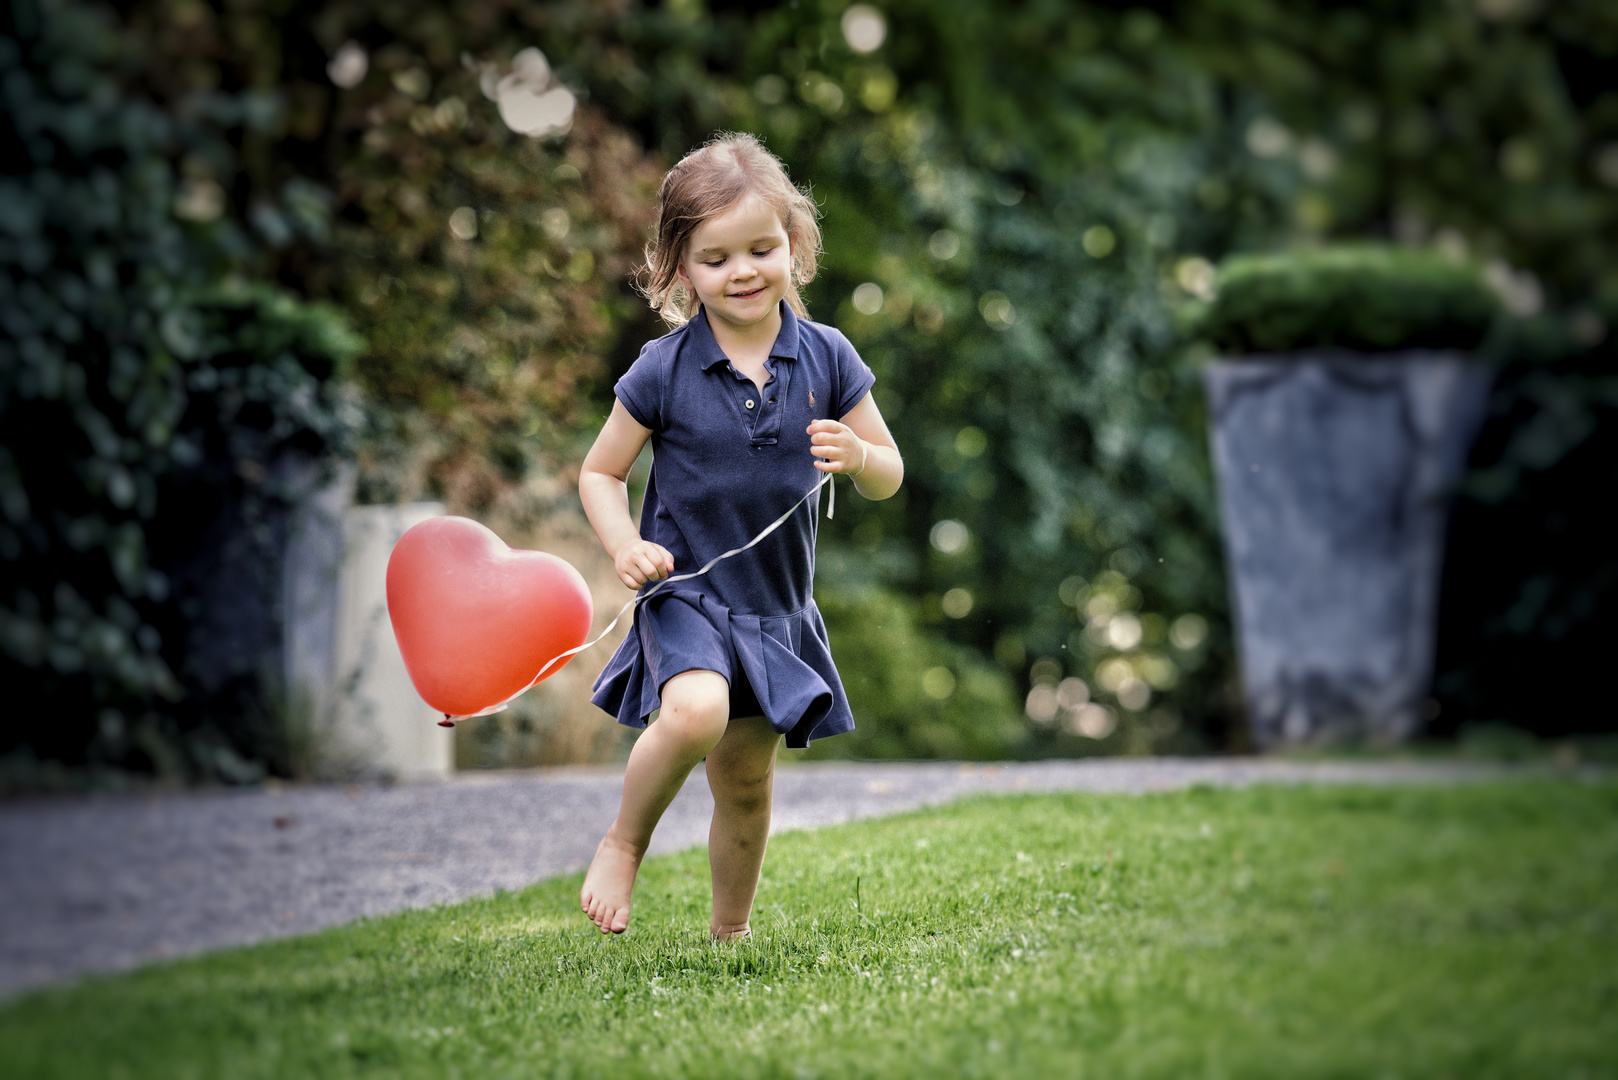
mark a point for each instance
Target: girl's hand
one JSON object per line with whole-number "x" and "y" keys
{"x": 643, "y": 561}
{"x": 836, "y": 448}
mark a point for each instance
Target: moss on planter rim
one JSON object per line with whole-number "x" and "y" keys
{"x": 1370, "y": 297}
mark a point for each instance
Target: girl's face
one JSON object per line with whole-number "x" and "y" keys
{"x": 739, "y": 264}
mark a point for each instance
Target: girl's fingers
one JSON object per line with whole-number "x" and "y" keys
{"x": 835, "y": 463}
{"x": 643, "y": 565}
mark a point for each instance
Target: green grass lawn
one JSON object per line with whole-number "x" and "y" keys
{"x": 1421, "y": 932}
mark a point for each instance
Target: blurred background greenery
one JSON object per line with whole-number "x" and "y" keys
{"x": 245, "y": 241}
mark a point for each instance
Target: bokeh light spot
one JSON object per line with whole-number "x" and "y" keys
{"x": 1072, "y": 589}
{"x": 1099, "y": 241}
{"x": 1123, "y": 632}
{"x": 528, "y": 104}
{"x": 1072, "y": 692}
{"x": 1188, "y": 632}
{"x": 1113, "y": 673}
{"x": 1318, "y": 159}
{"x": 1134, "y": 695}
{"x": 463, "y": 223}
{"x": 864, "y": 28}
{"x": 938, "y": 683}
{"x": 996, "y": 310}
{"x": 1045, "y": 671}
{"x": 1101, "y": 607}
{"x": 348, "y": 65}
{"x": 971, "y": 442}
{"x": 1195, "y": 275}
{"x": 1267, "y": 137}
{"x": 1092, "y": 721}
{"x": 1160, "y": 672}
{"x": 200, "y": 200}
{"x": 1041, "y": 705}
{"x": 944, "y": 245}
{"x": 949, "y": 536}
{"x": 414, "y": 83}
{"x": 878, "y": 90}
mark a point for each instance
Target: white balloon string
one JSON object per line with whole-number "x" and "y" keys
{"x": 776, "y": 524}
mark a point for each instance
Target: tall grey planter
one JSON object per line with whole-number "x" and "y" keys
{"x": 1334, "y": 470}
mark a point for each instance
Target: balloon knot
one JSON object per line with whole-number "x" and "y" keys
{"x": 446, "y": 722}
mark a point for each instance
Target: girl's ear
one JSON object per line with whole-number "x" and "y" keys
{"x": 679, "y": 270}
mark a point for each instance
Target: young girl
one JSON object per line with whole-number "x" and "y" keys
{"x": 747, "y": 404}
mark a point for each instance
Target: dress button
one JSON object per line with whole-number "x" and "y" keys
{"x": 749, "y": 403}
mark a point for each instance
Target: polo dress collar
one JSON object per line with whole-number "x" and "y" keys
{"x": 759, "y": 413}
{"x": 709, "y": 353}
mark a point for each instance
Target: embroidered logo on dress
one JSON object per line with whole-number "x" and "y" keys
{"x": 811, "y": 397}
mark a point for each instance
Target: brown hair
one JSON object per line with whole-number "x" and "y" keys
{"x": 704, "y": 184}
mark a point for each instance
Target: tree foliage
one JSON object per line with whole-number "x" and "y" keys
{"x": 1021, "y": 206}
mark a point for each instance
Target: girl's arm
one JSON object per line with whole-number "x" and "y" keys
{"x": 860, "y": 446}
{"x": 604, "y": 490}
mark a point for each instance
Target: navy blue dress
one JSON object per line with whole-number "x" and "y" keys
{"x": 727, "y": 461}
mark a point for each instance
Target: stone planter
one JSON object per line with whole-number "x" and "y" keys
{"x": 1334, "y": 472}
{"x": 350, "y": 701}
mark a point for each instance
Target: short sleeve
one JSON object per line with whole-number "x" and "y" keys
{"x": 641, "y": 388}
{"x": 854, "y": 377}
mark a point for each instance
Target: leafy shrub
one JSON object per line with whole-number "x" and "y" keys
{"x": 913, "y": 695}
{"x": 154, "y": 411}
{"x": 1368, "y": 297}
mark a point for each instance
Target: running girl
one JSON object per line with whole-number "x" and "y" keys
{"x": 748, "y": 404}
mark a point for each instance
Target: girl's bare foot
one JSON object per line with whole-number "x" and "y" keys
{"x": 724, "y": 932}
{"x": 608, "y": 884}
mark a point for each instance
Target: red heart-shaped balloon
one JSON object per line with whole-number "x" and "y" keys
{"x": 476, "y": 620}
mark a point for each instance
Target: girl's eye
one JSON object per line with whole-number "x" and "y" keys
{"x": 715, "y": 263}
{"x": 762, "y": 254}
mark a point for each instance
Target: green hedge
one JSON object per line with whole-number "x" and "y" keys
{"x": 1369, "y": 297}
{"x": 154, "y": 402}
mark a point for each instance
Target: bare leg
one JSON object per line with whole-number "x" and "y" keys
{"x": 696, "y": 707}
{"x": 741, "y": 773}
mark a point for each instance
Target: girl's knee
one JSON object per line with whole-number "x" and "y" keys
{"x": 749, "y": 798}
{"x": 696, "y": 707}
{"x": 741, "y": 788}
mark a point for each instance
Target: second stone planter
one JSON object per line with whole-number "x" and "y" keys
{"x": 1335, "y": 471}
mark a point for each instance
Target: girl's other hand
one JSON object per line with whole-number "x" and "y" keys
{"x": 836, "y": 448}
{"x": 643, "y": 561}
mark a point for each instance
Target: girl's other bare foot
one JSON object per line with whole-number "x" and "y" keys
{"x": 608, "y": 884}
{"x": 725, "y": 932}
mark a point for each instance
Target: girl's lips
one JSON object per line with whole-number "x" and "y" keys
{"x": 746, "y": 295}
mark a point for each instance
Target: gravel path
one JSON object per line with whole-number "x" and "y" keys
{"x": 107, "y": 883}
